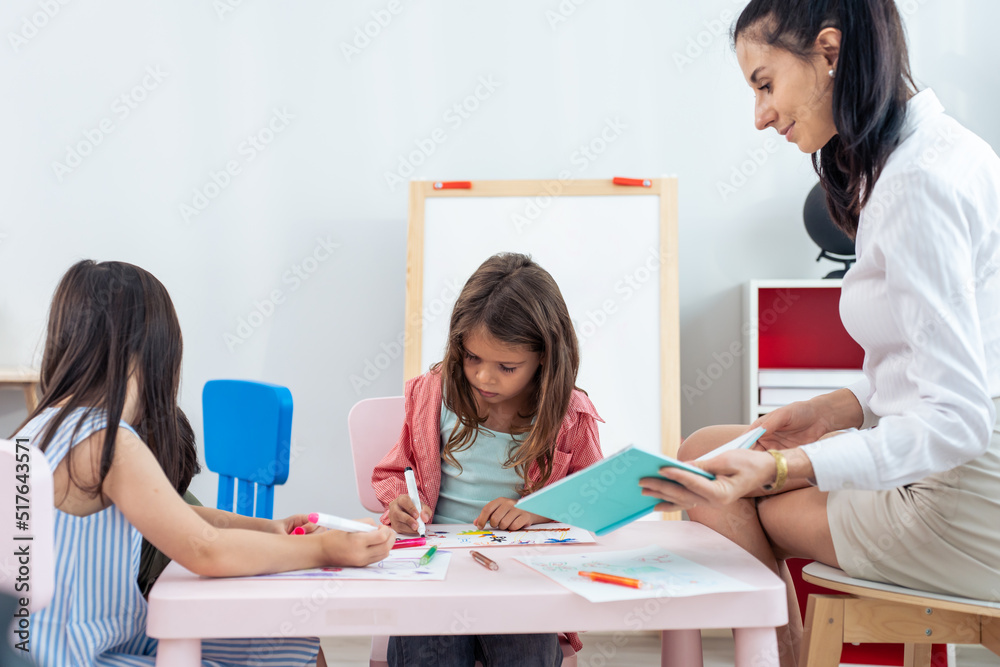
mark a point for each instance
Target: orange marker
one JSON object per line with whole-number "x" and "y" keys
{"x": 614, "y": 579}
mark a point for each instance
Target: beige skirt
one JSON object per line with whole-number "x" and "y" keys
{"x": 941, "y": 534}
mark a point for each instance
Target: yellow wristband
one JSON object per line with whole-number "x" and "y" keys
{"x": 781, "y": 471}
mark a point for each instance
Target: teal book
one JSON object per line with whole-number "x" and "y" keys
{"x": 607, "y": 496}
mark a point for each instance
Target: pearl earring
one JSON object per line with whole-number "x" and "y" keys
{"x": 831, "y": 73}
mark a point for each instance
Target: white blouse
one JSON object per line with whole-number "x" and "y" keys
{"x": 923, "y": 300}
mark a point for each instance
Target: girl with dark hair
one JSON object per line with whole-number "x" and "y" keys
{"x": 914, "y": 501}
{"x": 121, "y": 451}
{"x": 498, "y": 418}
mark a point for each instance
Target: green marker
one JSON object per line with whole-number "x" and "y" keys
{"x": 426, "y": 558}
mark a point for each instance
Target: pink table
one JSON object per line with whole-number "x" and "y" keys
{"x": 184, "y": 608}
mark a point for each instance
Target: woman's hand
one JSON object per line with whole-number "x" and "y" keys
{"x": 356, "y": 549}
{"x": 502, "y": 513}
{"x": 403, "y": 515}
{"x": 737, "y": 474}
{"x": 803, "y": 422}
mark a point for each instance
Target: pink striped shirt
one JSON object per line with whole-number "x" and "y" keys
{"x": 419, "y": 444}
{"x": 419, "y": 447}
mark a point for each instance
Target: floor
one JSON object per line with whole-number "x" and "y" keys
{"x": 638, "y": 649}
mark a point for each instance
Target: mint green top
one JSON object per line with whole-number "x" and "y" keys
{"x": 482, "y": 478}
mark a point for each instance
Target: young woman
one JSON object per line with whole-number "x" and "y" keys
{"x": 912, "y": 502}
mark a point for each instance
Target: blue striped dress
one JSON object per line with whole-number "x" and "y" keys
{"x": 97, "y": 616}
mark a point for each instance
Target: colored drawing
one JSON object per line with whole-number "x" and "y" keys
{"x": 401, "y": 565}
{"x": 450, "y": 536}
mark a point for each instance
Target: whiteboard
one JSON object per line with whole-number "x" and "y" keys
{"x": 614, "y": 259}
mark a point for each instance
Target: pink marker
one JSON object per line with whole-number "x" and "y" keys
{"x": 410, "y": 542}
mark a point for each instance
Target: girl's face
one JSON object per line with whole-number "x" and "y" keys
{"x": 792, "y": 96}
{"x": 499, "y": 373}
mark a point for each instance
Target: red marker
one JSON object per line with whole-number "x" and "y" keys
{"x": 453, "y": 185}
{"x": 634, "y": 182}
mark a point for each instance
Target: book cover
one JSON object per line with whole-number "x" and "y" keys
{"x": 607, "y": 496}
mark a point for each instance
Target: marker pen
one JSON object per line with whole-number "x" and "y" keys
{"x": 337, "y": 523}
{"x": 411, "y": 542}
{"x": 411, "y": 489}
{"x": 484, "y": 561}
{"x": 614, "y": 579}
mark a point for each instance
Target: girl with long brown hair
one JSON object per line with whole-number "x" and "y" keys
{"x": 498, "y": 418}
{"x": 120, "y": 451}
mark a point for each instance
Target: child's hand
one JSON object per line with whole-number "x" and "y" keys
{"x": 286, "y": 526}
{"x": 357, "y": 549}
{"x": 501, "y": 513}
{"x": 403, "y": 515}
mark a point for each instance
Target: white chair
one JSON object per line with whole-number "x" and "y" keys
{"x": 374, "y": 425}
{"x": 27, "y": 554}
{"x": 874, "y": 612}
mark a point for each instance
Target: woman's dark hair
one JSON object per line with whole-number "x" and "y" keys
{"x": 870, "y": 89}
{"x": 110, "y": 322}
{"x": 514, "y": 300}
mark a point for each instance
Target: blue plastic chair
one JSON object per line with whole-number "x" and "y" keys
{"x": 248, "y": 435}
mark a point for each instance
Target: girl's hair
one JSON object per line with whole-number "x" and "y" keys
{"x": 870, "y": 89}
{"x": 109, "y": 322}
{"x": 518, "y": 303}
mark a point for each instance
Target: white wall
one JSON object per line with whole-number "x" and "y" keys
{"x": 558, "y": 73}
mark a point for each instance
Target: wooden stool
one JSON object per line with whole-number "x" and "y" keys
{"x": 26, "y": 380}
{"x": 874, "y": 612}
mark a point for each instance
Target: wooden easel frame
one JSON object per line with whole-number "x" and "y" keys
{"x": 664, "y": 188}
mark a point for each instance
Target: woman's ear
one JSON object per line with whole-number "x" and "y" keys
{"x": 828, "y": 46}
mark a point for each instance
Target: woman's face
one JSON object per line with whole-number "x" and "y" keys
{"x": 792, "y": 96}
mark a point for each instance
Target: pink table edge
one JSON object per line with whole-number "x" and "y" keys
{"x": 184, "y": 608}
